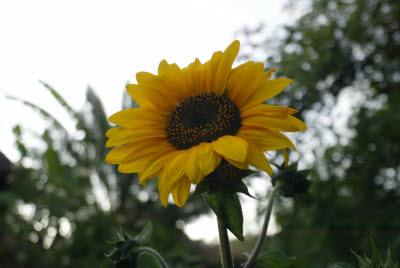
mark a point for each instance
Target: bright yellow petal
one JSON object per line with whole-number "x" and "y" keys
{"x": 288, "y": 124}
{"x": 117, "y": 155}
{"x": 220, "y": 67}
{"x": 267, "y": 110}
{"x": 173, "y": 79}
{"x": 138, "y": 118}
{"x": 238, "y": 164}
{"x": 150, "y": 98}
{"x": 270, "y": 89}
{"x": 244, "y": 80}
{"x": 193, "y": 171}
{"x": 195, "y": 76}
{"x": 140, "y": 164}
{"x": 175, "y": 167}
{"x": 119, "y": 135}
{"x": 155, "y": 166}
{"x": 286, "y": 155}
{"x": 163, "y": 191}
{"x": 207, "y": 159}
{"x": 231, "y": 147}
{"x": 266, "y": 139}
{"x": 257, "y": 158}
{"x": 181, "y": 191}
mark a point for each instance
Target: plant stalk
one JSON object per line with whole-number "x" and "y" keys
{"x": 154, "y": 253}
{"x": 264, "y": 229}
{"x": 226, "y": 255}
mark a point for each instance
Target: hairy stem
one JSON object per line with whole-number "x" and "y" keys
{"x": 154, "y": 253}
{"x": 264, "y": 229}
{"x": 226, "y": 255}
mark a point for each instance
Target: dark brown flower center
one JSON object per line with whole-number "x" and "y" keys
{"x": 202, "y": 118}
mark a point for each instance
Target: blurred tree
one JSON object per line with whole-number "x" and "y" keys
{"x": 345, "y": 58}
{"x": 60, "y": 211}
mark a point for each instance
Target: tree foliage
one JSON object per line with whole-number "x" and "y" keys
{"x": 343, "y": 54}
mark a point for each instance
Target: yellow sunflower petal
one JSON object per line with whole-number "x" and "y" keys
{"x": 267, "y": 110}
{"x": 244, "y": 80}
{"x": 286, "y": 156}
{"x": 266, "y": 139}
{"x": 207, "y": 159}
{"x": 173, "y": 79}
{"x": 193, "y": 171}
{"x": 231, "y": 147}
{"x": 140, "y": 164}
{"x": 238, "y": 164}
{"x": 195, "y": 75}
{"x": 163, "y": 191}
{"x": 288, "y": 124}
{"x": 269, "y": 73}
{"x": 119, "y": 135}
{"x": 118, "y": 154}
{"x": 175, "y": 167}
{"x": 153, "y": 168}
{"x": 270, "y": 89}
{"x": 138, "y": 118}
{"x": 219, "y": 68}
{"x": 150, "y": 98}
{"x": 257, "y": 158}
{"x": 181, "y": 191}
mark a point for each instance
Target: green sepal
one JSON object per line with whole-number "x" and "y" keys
{"x": 340, "y": 265}
{"x": 228, "y": 210}
{"x": 376, "y": 260}
{"x": 292, "y": 181}
{"x": 274, "y": 258}
{"x": 144, "y": 236}
{"x": 124, "y": 244}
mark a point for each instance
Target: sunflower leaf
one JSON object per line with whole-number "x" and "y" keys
{"x": 241, "y": 187}
{"x": 228, "y": 210}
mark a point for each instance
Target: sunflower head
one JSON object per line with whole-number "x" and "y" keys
{"x": 192, "y": 118}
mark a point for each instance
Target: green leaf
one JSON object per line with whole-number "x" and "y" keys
{"x": 58, "y": 97}
{"x": 241, "y": 187}
{"x": 145, "y": 234}
{"x": 340, "y": 265}
{"x": 228, "y": 209}
{"x": 274, "y": 258}
{"x": 201, "y": 188}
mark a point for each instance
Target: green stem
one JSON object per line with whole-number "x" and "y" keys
{"x": 264, "y": 229}
{"x": 153, "y": 253}
{"x": 226, "y": 255}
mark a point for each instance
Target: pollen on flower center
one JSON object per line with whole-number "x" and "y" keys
{"x": 202, "y": 118}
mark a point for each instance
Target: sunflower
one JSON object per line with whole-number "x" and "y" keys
{"x": 190, "y": 119}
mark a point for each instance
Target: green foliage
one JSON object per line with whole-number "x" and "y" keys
{"x": 344, "y": 57}
{"x": 228, "y": 209}
{"x": 273, "y": 258}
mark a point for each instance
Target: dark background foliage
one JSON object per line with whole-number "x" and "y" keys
{"x": 343, "y": 55}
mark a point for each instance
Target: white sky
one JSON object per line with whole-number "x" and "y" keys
{"x": 73, "y": 44}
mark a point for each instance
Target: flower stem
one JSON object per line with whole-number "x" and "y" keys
{"x": 264, "y": 229}
{"x": 154, "y": 253}
{"x": 226, "y": 255}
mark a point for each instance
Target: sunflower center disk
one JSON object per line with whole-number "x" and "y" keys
{"x": 202, "y": 118}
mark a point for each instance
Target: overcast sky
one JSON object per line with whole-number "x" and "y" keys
{"x": 73, "y": 44}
